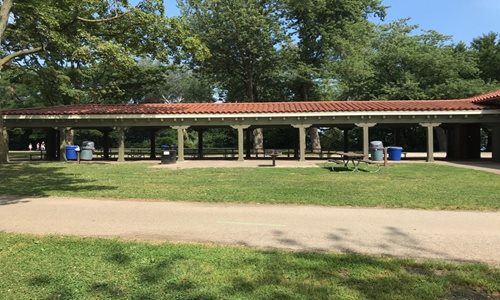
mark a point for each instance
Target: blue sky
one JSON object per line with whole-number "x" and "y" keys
{"x": 462, "y": 19}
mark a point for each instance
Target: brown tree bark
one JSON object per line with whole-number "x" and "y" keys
{"x": 4, "y": 16}
{"x": 315, "y": 140}
{"x": 258, "y": 141}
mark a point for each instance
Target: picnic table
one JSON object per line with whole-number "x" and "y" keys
{"x": 353, "y": 158}
{"x": 273, "y": 154}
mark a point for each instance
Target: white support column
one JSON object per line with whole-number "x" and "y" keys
{"x": 121, "y": 143}
{"x": 302, "y": 139}
{"x": 495, "y": 142}
{"x": 366, "y": 137}
{"x": 240, "y": 129}
{"x": 430, "y": 139}
{"x": 4, "y": 142}
{"x": 180, "y": 141}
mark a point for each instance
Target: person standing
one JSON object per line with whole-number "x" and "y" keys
{"x": 30, "y": 147}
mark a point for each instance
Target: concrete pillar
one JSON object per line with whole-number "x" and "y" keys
{"x": 180, "y": 141}
{"x": 200, "y": 143}
{"x": 105, "y": 144}
{"x": 366, "y": 137}
{"x": 121, "y": 144}
{"x": 495, "y": 142}
{"x": 4, "y": 142}
{"x": 65, "y": 138}
{"x": 248, "y": 134}
{"x": 430, "y": 139}
{"x": 302, "y": 139}
{"x": 346, "y": 140}
{"x": 240, "y": 140}
{"x": 152, "y": 144}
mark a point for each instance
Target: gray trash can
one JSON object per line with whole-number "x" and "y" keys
{"x": 377, "y": 150}
{"x": 87, "y": 150}
{"x": 168, "y": 154}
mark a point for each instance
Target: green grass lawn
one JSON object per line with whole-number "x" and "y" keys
{"x": 34, "y": 267}
{"x": 403, "y": 185}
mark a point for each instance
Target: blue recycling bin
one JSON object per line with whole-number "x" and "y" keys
{"x": 71, "y": 152}
{"x": 394, "y": 153}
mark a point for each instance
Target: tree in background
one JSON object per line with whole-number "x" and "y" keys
{"x": 487, "y": 49}
{"x": 243, "y": 37}
{"x": 325, "y": 30}
{"x": 59, "y": 45}
{"x": 398, "y": 64}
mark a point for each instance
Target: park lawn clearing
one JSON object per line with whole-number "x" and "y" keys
{"x": 426, "y": 186}
{"x": 37, "y": 267}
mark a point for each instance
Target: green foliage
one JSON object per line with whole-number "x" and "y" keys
{"x": 326, "y": 31}
{"x": 399, "y": 64}
{"x": 90, "y": 51}
{"x": 487, "y": 49}
{"x": 243, "y": 38}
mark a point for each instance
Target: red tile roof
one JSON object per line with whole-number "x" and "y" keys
{"x": 474, "y": 103}
{"x": 485, "y": 98}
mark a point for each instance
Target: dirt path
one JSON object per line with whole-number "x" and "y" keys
{"x": 452, "y": 235}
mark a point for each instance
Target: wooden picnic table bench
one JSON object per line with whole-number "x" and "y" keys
{"x": 355, "y": 159}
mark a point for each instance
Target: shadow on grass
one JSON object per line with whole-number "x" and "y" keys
{"x": 222, "y": 273}
{"x": 39, "y": 180}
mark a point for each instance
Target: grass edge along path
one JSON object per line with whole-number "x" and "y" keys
{"x": 426, "y": 186}
{"x": 74, "y": 268}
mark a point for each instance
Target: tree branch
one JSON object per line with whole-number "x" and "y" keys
{"x": 5, "y": 60}
{"x": 4, "y": 16}
{"x": 102, "y": 20}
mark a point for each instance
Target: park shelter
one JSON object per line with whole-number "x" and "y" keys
{"x": 462, "y": 118}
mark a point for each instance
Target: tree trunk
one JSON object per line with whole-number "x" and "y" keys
{"x": 315, "y": 140}
{"x": 4, "y": 16}
{"x": 313, "y": 131}
{"x": 258, "y": 141}
{"x": 4, "y": 144}
{"x": 442, "y": 139}
{"x": 70, "y": 136}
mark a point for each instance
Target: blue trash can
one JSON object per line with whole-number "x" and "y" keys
{"x": 394, "y": 153}
{"x": 71, "y": 152}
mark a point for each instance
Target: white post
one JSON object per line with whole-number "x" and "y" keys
{"x": 121, "y": 144}
{"x": 495, "y": 142}
{"x": 302, "y": 139}
{"x": 430, "y": 139}
{"x": 240, "y": 129}
{"x": 4, "y": 142}
{"x": 180, "y": 141}
{"x": 366, "y": 137}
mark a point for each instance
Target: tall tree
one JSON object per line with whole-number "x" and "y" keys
{"x": 60, "y": 40}
{"x": 399, "y": 64}
{"x": 325, "y": 30}
{"x": 487, "y": 49}
{"x": 244, "y": 37}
